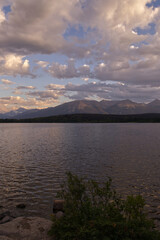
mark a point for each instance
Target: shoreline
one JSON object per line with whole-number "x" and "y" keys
{"x": 91, "y": 118}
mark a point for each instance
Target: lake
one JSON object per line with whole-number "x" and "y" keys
{"x": 35, "y": 157}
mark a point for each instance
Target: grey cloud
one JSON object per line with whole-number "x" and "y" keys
{"x": 48, "y": 21}
{"x": 68, "y": 70}
{"x": 112, "y": 91}
{"x": 63, "y": 71}
{"x": 138, "y": 71}
{"x": 44, "y": 94}
{"x": 112, "y": 22}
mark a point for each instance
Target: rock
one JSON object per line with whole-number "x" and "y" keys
{"x": 59, "y": 214}
{"x": 5, "y": 238}
{"x": 2, "y": 209}
{"x": 4, "y": 214}
{"x": 16, "y": 213}
{"x": 21, "y": 205}
{"x": 58, "y": 205}
{"x": 26, "y": 228}
{"x": 6, "y": 219}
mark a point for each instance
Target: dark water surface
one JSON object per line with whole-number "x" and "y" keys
{"x": 35, "y": 157}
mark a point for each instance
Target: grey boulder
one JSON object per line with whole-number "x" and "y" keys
{"x": 26, "y": 228}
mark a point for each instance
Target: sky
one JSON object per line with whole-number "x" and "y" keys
{"x": 53, "y": 52}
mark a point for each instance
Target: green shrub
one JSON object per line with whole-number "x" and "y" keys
{"x": 96, "y": 212}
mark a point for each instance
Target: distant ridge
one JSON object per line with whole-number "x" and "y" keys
{"x": 124, "y": 107}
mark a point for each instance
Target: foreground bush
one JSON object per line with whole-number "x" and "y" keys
{"x": 95, "y": 212}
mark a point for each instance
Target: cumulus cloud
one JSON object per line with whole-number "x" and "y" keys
{"x": 11, "y": 64}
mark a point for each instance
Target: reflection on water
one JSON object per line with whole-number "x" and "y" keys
{"x": 35, "y": 157}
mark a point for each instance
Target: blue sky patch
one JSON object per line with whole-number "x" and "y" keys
{"x": 139, "y": 44}
{"x": 7, "y": 9}
{"x": 150, "y": 29}
{"x": 75, "y": 31}
{"x": 154, "y": 4}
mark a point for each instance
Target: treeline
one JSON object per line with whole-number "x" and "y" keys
{"x": 90, "y": 118}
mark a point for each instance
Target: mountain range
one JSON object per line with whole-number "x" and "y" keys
{"x": 124, "y": 107}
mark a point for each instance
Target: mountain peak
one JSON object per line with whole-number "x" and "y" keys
{"x": 123, "y": 107}
{"x": 21, "y": 109}
{"x": 154, "y": 102}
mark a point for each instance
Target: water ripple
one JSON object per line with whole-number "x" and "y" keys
{"x": 35, "y": 157}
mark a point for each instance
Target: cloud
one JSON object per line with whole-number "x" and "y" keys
{"x": 42, "y": 64}
{"x": 53, "y": 86}
{"x": 118, "y": 18}
{"x": 14, "y": 65}
{"x": 99, "y": 38}
{"x": 45, "y": 94}
{"x": 4, "y": 3}
{"x": 53, "y": 91}
{"x": 85, "y": 79}
{"x": 13, "y": 103}
{"x": 18, "y": 90}
{"x": 111, "y": 21}
{"x": 138, "y": 71}
{"x": 25, "y": 88}
{"x": 110, "y": 91}
{"x": 81, "y": 91}
{"x": 68, "y": 70}
{"x": 63, "y": 71}
{"x": 37, "y": 26}
{"x": 7, "y": 82}
{"x": 93, "y": 90}
{"x": 2, "y": 17}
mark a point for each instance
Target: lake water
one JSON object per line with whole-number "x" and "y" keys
{"x": 35, "y": 157}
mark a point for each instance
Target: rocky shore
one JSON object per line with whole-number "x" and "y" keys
{"x": 15, "y": 226}
{"x": 26, "y": 228}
